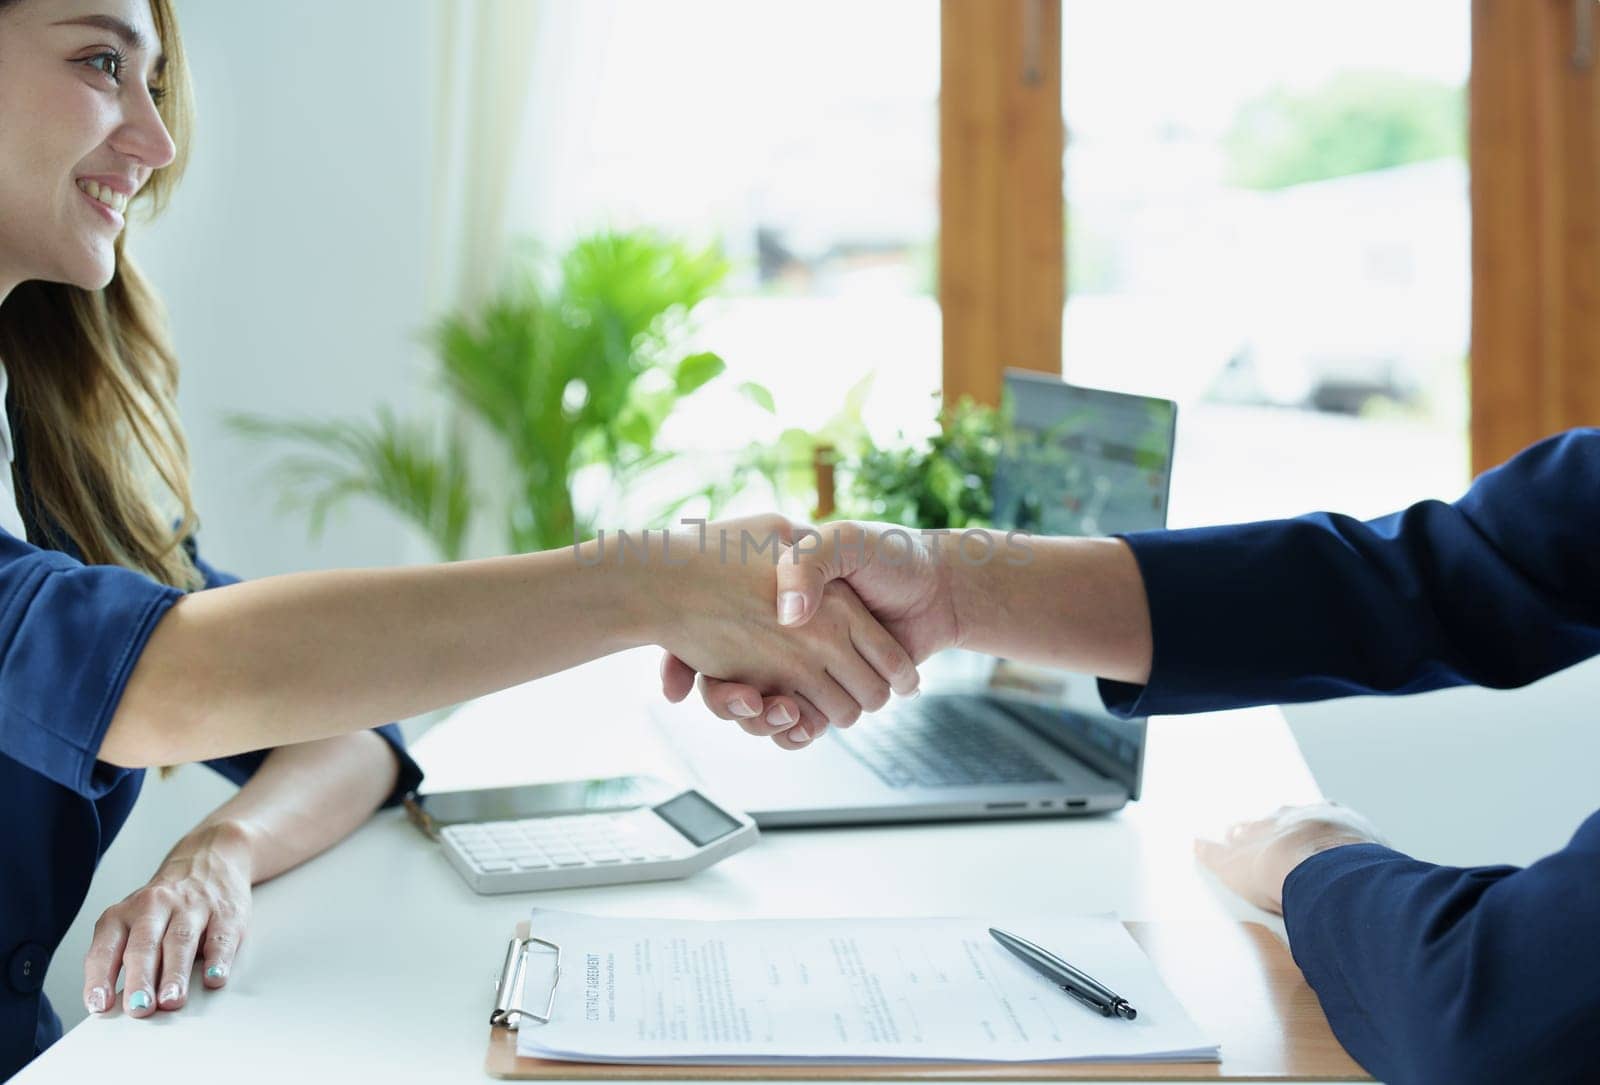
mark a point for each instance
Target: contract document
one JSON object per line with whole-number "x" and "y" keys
{"x": 840, "y": 991}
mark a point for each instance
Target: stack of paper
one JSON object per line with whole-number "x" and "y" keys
{"x": 842, "y": 991}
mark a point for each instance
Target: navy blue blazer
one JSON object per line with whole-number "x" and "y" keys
{"x": 1427, "y": 973}
{"x": 70, "y": 634}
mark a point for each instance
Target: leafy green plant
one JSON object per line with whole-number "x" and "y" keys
{"x": 561, "y": 372}
{"x": 943, "y": 481}
{"x": 392, "y": 461}
{"x": 789, "y": 464}
{"x": 946, "y": 482}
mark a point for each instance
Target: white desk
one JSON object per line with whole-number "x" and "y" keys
{"x": 376, "y": 955}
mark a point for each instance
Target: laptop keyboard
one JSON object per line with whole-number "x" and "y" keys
{"x": 938, "y": 745}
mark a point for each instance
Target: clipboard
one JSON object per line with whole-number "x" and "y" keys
{"x": 1236, "y": 980}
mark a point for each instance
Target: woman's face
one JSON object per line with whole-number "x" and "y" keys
{"x": 79, "y": 134}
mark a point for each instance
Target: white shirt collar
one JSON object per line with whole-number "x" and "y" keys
{"x": 5, "y": 418}
{"x": 10, "y": 515}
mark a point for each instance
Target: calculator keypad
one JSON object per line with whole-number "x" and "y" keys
{"x": 501, "y": 847}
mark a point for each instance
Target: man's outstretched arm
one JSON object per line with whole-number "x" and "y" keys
{"x": 1497, "y": 589}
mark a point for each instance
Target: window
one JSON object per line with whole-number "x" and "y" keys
{"x": 1266, "y": 205}
{"x": 1268, "y": 221}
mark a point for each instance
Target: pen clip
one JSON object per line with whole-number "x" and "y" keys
{"x": 1102, "y": 1008}
{"x": 1080, "y": 985}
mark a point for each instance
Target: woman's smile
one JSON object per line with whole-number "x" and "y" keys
{"x": 108, "y": 198}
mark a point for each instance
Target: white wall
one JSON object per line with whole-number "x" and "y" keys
{"x": 292, "y": 259}
{"x": 292, "y": 262}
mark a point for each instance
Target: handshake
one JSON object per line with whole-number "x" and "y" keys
{"x": 830, "y": 621}
{"x": 792, "y": 628}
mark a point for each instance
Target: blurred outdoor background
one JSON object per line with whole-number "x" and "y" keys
{"x": 1266, "y": 208}
{"x": 1265, "y": 204}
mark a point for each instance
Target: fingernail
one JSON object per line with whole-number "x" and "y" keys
{"x": 139, "y": 1000}
{"x": 742, "y": 707}
{"x": 914, "y": 694}
{"x": 216, "y": 972}
{"x": 780, "y": 716}
{"x": 170, "y": 993}
{"x": 96, "y": 1000}
{"x": 799, "y": 733}
{"x": 791, "y": 604}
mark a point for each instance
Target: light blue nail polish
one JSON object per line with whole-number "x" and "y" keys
{"x": 214, "y": 972}
{"x": 139, "y": 1000}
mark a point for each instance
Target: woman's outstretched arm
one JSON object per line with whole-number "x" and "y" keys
{"x": 305, "y": 656}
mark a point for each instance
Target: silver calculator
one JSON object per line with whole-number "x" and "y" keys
{"x": 669, "y": 839}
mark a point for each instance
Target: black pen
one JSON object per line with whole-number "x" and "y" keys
{"x": 1087, "y": 990}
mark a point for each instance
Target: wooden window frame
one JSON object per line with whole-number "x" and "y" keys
{"x": 1002, "y": 237}
{"x": 1534, "y": 145}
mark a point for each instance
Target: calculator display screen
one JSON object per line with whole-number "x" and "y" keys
{"x": 696, "y": 818}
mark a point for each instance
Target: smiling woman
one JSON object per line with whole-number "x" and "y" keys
{"x": 112, "y": 660}
{"x": 97, "y": 120}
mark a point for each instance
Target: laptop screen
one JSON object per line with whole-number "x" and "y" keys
{"x": 1085, "y": 462}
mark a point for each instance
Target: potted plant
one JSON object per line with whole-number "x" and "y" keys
{"x": 943, "y": 481}
{"x": 557, "y": 374}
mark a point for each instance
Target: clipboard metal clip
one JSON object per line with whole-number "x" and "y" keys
{"x": 508, "y": 988}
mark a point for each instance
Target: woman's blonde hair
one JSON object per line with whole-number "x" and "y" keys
{"x": 96, "y": 382}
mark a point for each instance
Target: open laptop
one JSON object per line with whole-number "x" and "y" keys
{"x": 988, "y": 737}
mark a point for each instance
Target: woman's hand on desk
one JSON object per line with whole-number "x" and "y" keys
{"x": 1254, "y": 857}
{"x": 197, "y": 905}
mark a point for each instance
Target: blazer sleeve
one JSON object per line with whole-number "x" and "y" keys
{"x": 1497, "y": 589}
{"x": 1434, "y": 973}
{"x": 70, "y": 635}
{"x": 240, "y": 767}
